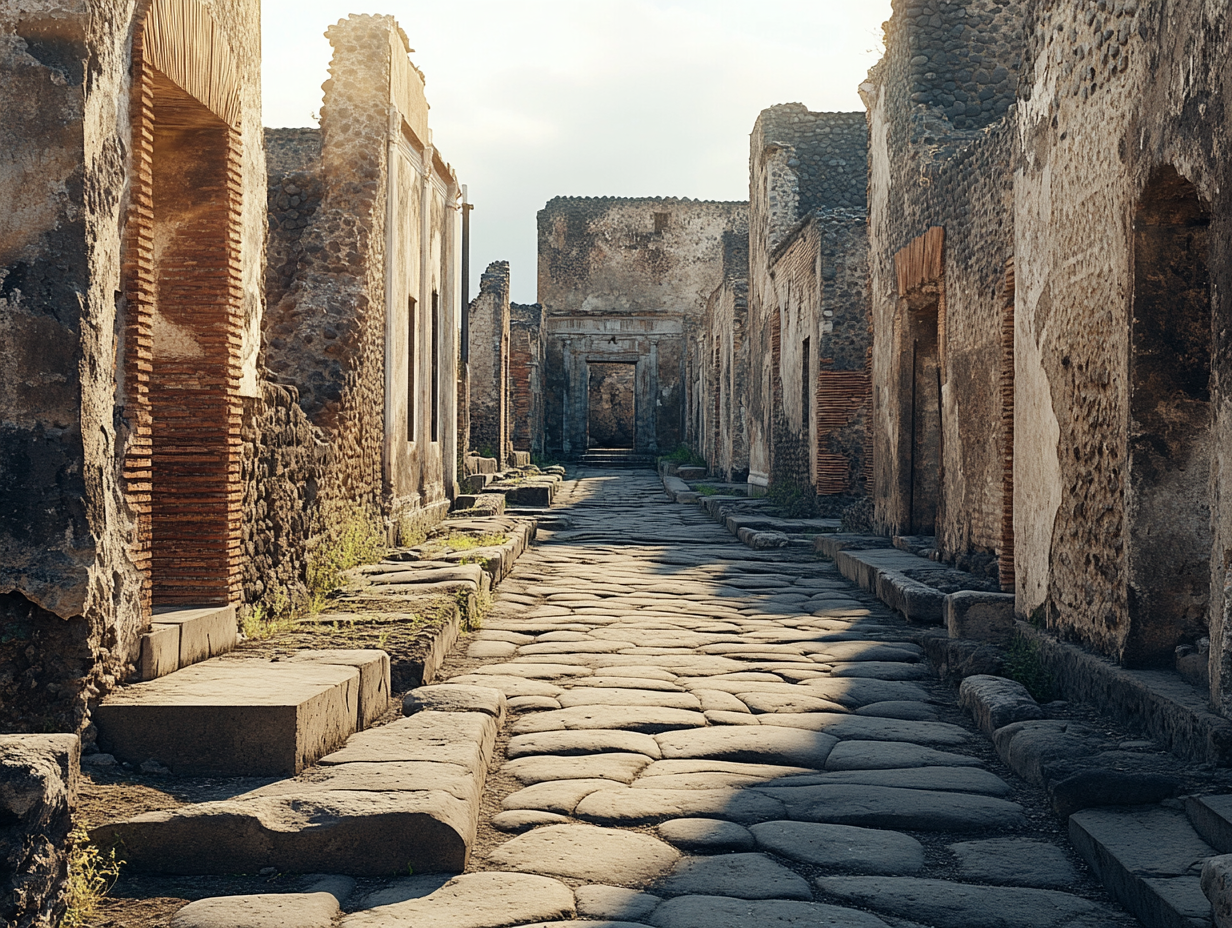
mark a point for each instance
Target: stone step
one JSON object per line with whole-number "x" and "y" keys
{"x": 246, "y": 717}
{"x": 180, "y": 636}
{"x": 406, "y": 794}
{"x": 1149, "y": 859}
{"x": 1211, "y": 817}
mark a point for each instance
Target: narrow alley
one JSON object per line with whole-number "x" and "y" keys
{"x": 703, "y": 736}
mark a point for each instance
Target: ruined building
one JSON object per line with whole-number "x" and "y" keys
{"x": 1047, "y": 204}
{"x": 364, "y": 310}
{"x": 808, "y": 328}
{"x": 130, "y": 307}
{"x": 620, "y": 282}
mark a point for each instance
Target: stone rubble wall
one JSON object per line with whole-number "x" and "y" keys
{"x": 526, "y": 377}
{"x": 489, "y": 361}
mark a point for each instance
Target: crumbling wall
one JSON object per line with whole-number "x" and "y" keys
{"x": 489, "y": 363}
{"x": 942, "y": 155}
{"x": 72, "y": 572}
{"x": 526, "y": 406}
{"x": 619, "y": 280}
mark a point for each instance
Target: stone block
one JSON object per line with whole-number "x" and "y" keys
{"x": 995, "y": 702}
{"x": 475, "y": 483}
{"x": 519, "y": 458}
{"x": 38, "y": 776}
{"x": 204, "y": 633}
{"x": 1217, "y": 886}
{"x": 982, "y": 616}
{"x": 452, "y": 697}
{"x": 233, "y": 718}
{"x": 465, "y": 501}
{"x": 313, "y": 909}
{"x": 374, "y": 682}
{"x": 530, "y": 494}
{"x": 160, "y": 652}
{"x": 691, "y": 472}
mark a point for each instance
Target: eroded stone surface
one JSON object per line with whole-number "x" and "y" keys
{"x": 843, "y": 847}
{"x": 585, "y": 852}
{"x": 475, "y": 900}
{"x": 706, "y": 836}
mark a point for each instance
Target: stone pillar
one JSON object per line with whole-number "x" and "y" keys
{"x": 489, "y": 363}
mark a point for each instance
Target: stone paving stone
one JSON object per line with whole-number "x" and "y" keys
{"x": 743, "y": 875}
{"x": 484, "y": 649}
{"x": 882, "y": 755}
{"x": 706, "y": 836}
{"x": 509, "y": 685}
{"x": 525, "y": 819}
{"x": 1014, "y": 862}
{"x": 946, "y": 779}
{"x": 720, "y": 912}
{"x": 612, "y": 696}
{"x": 661, "y": 768}
{"x": 899, "y": 709}
{"x": 585, "y": 852}
{"x": 639, "y": 684}
{"x": 317, "y": 908}
{"x": 532, "y": 703}
{"x": 644, "y": 806}
{"x": 600, "y": 901}
{"x": 960, "y": 905}
{"x": 463, "y": 738}
{"x": 708, "y": 780}
{"x": 584, "y": 742}
{"x": 404, "y": 889}
{"x": 475, "y": 900}
{"x": 537, "y": 769}
{"x": 799, "y": 702}
{"x": 889, "y": 807}
{"x": 560, "y": 796}
{"x": 861, "y": 691}
{"x": 881, "y": 670}
{"x": 535, "y": 671}
{"x": 865, "y": 728}
{"x": 786, "y": 746}
{"x": 719, "y": 701}
{"x": 862, "y": 850}
{"x": 455, "y": 697}
{"x": 731, "y": 718}
{"x": 648, "y": 719}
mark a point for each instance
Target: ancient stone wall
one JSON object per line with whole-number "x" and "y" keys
{"x": 808, "y": 317}
{"x": 526, "y": 404}
{"x": 937, "y": 361}
{"x": 77, "y": 321}
{"x": 489, "y": 363}
{"x": 619, "y": 280}
{"x": 294, "y": 195}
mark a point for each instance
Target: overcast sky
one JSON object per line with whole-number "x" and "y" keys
{"x": 533, "y": 99}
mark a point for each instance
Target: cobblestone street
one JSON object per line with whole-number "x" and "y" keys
{"x": 702, "y": 736}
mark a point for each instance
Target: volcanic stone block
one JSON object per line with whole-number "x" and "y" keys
{"x": 983, "y": 616}
{"x": 204, "y": 633}
{"x": 531, "y": 494}
{"x": 374, "y": 685}
{"x": 233, "y": 718}
{"x": 160, "y": 651}
{"x": 996, "y": 702}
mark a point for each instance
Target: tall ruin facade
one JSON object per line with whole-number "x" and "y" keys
{"x": 620, "y": 282}
{"x": 131, "y": 265}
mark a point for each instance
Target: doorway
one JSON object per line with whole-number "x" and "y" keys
{"x": 612, "y": 407}
{"x": 921, "y": 400}
{"x": 1169, "y": 423}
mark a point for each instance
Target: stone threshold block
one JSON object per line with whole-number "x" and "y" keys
{"x": 179, "y": 637}
{"x": 374, "y": 678}
{"x": 233, "y": 718}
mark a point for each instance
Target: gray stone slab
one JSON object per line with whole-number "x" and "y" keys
{"x": 456, "y": 697}
{"x": 303, "y": 910}
{"x": 1040, "y": 751}
{"x": 463, "y": 738}
{"x": 535, "y": 671}
{"x": 509, "y": 685}
{"x": 559, "y": 796}
{"x": 980, "y": 616}
{"x": 374, "y": 681}
{"x": 843, "y": 847}
{"x": 787, "y": 746}
{"x": 623, "y": 806}
{"x": 233, "y": 718}
{"x": 475, "y": 900}
{"x": 883, "y": 755}
{"x": 961, "y": 905}
{"x": 889, "y": 807}
{"x": 614, "y": 696}
{"x": 860, "y": 691}
{"x": 995, "y": 702}
{"x": 855, "y": 651}
{"x": 708, "y": 780}
{"x": 160, "y": 652}
{"x": 204, "y": 632}
{"x": 742, "y": 875}
{"x": 1149, "y": 858}
{"x": 405, "y": 776}
{"x": 585, "y": 852}
{"x": 1212, "y": 817}
{"x": 661, "y": 768}
{"x": 782, "y": 702}
{"x": 621, "y": 768}
{"x": 881, "y": 670}
{"x": 947, "y": 779}
{"x": 899, "y": 709}
{"x": 1217, "y": 887}
{"x": 601, "y": 901}
{"x": 526, "y": 819}
{"x": 351, "y": 832}
{"x": 531, "y": 703}
{"x": 1014, "y": 862}
{"x": 594, "y": 741}
{"x": 865, "y": 728}
{"x": 706, "y": 835}
{"x": 646, "y": 719}
{"x": 404, "y": 889}
{"x": 721, "y": 912}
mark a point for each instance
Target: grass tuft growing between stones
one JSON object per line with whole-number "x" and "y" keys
{"x": 1022, "y": 663}
{"x": 467, "y": 542}
{"x": 359, "y": 540}
{"x": 258, "y": 626}
{"x": 91, "y": 874}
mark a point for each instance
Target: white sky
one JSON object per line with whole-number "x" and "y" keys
{"x": 533, "y": 99}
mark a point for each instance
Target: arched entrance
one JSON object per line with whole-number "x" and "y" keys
{"x": 1168, "y": 526}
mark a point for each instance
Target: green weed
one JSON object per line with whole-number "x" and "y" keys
{"x": 91, "y": 874}
{"x": 359, "y": 540}
{"x": 469, "y": 542}
{"x": 1022, "y": 663}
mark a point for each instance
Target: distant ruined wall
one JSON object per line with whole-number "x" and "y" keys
{"x": 526, "y": 405}
{"x": 74, "y": 560}
{"x": 619, "y": 280}
{"x": 489, "y": 360}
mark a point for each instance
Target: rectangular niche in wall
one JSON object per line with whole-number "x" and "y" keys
{"x": 612, "y": 408}
{"x": 921, "y": 416}
{"x": 1168, "y": 508}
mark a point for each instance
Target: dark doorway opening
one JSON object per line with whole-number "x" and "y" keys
{"x": 612, "y": 411}
{"x": 921, "y": 396}
{"x": 1169, "y": 429}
